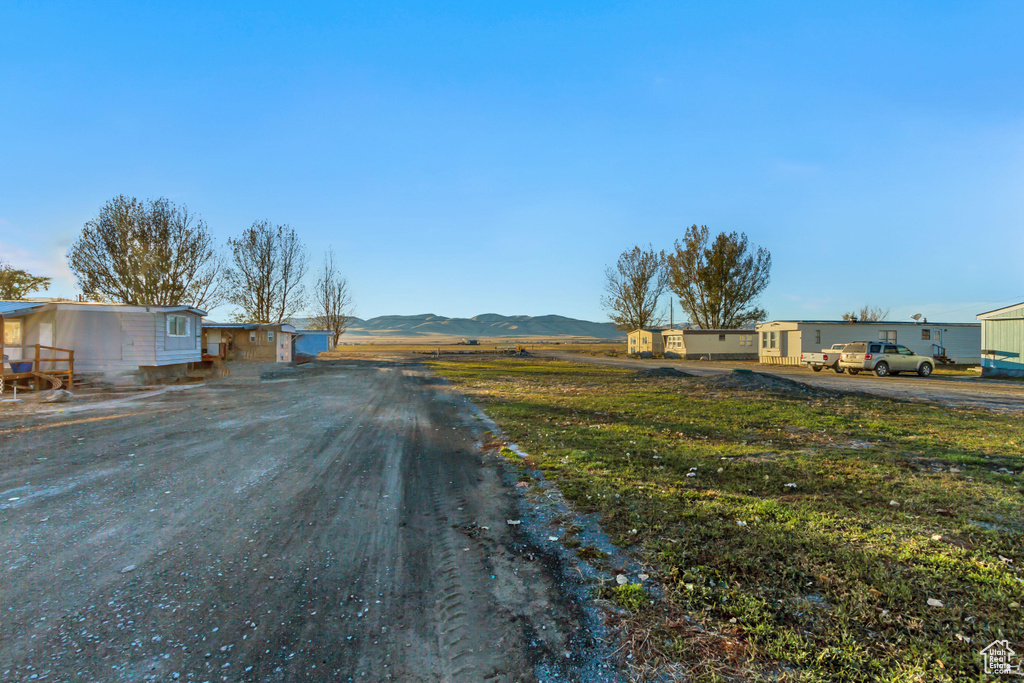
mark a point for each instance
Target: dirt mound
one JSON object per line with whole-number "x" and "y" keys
{"x": 756, "y": 381}
{"x": 655, "y": 373}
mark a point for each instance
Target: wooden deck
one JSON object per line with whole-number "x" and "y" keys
{"x": 49, "y": 372}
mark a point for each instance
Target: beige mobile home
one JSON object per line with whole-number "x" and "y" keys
{"x": 781, "y": 342}
{"x": 248, "y": 341}
{"x": 1002, "y": 342}
{"x": 646, "y": 340}
{"x": 710, "y": 344}
{"x": 107, "y": 339}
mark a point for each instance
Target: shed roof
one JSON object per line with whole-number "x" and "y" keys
{"x": 1004, "y": 309}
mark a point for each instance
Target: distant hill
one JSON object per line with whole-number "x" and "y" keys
{"x": 486, "y": 326}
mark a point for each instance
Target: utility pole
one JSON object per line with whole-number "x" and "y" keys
{"x": 671, "y": 314}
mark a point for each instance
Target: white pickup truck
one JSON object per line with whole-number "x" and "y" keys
{"x": 828, "y": 358}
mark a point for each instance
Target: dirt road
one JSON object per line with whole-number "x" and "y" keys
{"x": 998, "y": 395}
{"x": 324, "y": 525}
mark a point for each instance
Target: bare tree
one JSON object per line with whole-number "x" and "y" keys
{"x": 17, "y": 284}
{"x": 333, "y": 301}
{"x": 718, "y": 282}
{"x": 151, "y": 252}
{"x": 268, "y": 264}
{"x": 632, "y": 288}
{"x": 868, "y": 313}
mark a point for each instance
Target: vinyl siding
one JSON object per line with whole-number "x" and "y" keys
{"x": 1003, "y": 333}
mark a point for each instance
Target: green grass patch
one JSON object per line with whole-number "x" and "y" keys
{"x": 806, "y": 531}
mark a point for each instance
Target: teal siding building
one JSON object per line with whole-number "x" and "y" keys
{"x": 1002, "y": 342}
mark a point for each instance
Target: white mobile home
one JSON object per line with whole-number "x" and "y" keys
{"x": 781, "y": 342}
{"x": 694, "y": 344}
{"x": 107, "y": 339}
{"x": 1002, "y": 342}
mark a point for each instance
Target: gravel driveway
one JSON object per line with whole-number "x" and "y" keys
{"x": 1004, "y": 396}
{"x": 332, "y": 524}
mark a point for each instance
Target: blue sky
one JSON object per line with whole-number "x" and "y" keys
{"x": 465, "y": 158}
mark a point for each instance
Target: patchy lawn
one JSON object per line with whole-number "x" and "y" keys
{"x": 797, "y": 534}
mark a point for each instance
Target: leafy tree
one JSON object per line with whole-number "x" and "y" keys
{"x": 17, "y": 284}
{"x": 868, "y": 313}
{"x": 150, "y": 252}
{"x": 332, "y": 298}
{"x": 632, "y": 288}
{"x": 718, "y": 282}
{"x": 268, "y": 264}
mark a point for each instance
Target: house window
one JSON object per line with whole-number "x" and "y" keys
{"x": 926, "y": 334}
{"x": 748, "y": 340}
{"x": 178, "y": 326}
{"x": 721, "y": 337}
{"x": 764, "y": 340}
{"x": 270, "y": 335}
{"x": 252, "y": 337}
{"x": 12, "y": 333}
{"x": 817, "y": 336}
{"x": 773, "y": 339}
{"x": 887, "y": 336}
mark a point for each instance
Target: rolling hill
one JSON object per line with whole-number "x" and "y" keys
{"x": 487, "y": 326}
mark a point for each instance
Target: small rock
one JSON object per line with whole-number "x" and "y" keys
{"x": 129, "y": 568}
{"x": 721, "y": 469}
{"x": 893, "y": 504}
{"x": 740, "y": 522}
{"x": 514, "y": 522}
{"x": 552, "y": 538}
{"x": 936, "y": 537}
{"x": 621, "y": 579}
{"x": 932, "y": 602}
{"x": 643, "y": 577}
{"x": 790, "y": 485}
{"x": 691, "y": 474}
{"x": 522, "y": 485}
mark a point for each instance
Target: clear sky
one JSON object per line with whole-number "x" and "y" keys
{"x": 476, "y": 157}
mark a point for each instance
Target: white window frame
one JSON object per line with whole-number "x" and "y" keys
{"x": 817, "y": 336}
{"x": 270, "y": 336}
{"x": 172, "y": 331}
{"x": 252, "y": 336}
{"x": 887, "y": 336}
{"x": 12, "y": 333}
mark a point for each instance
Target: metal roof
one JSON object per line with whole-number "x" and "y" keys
{"x": 15, "y": 308}
{"x": 982, "y": 316}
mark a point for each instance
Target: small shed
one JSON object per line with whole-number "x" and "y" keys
{"x": 248, "y": 341}
{"x": 312, "y": 342}
{"x": 782, "y": 341}
{"x": 696, "y": 344}
{"x": 1002, "y": 342}
{"x": 646, "y": 340}
{"x": 101, "y": 338}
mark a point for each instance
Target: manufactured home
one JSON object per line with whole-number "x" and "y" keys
{"x": 694, "y": 344}
{"x": 248, "y": 341}
{"x": 646, "y": 340}
{"x": 781, "y": 342}
{"x": 1002, "y": 342}
{"x": 99, "y": 338}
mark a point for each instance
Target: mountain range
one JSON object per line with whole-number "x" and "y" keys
{"x": 486, "y": 326}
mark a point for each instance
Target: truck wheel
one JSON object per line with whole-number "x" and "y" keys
{"x": 882, "y": 369}
{"x": 816, "y": 368}
{"x": 925, "y": 369}
{"x": 838, "y": 369}
{"x": 853, "y": 371}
